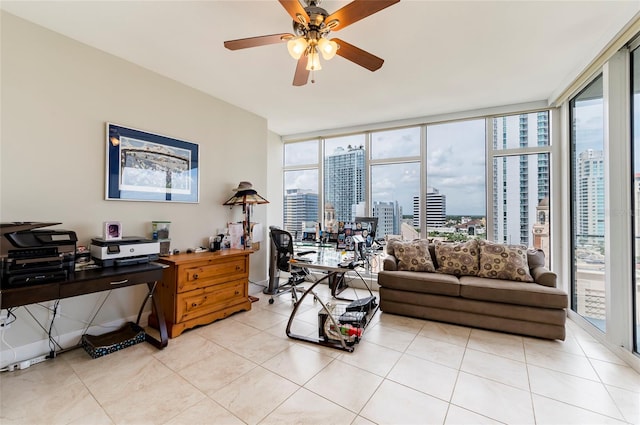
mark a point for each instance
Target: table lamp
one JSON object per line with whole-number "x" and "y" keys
{"x": 246, "y": 196}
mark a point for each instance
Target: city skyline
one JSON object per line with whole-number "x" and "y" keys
{"x": 455, "y": 165}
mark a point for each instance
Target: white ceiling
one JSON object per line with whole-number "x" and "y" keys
{"x": 440, "y": 56}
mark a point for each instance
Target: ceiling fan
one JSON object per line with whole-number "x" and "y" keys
{"x": 311, "y": 27}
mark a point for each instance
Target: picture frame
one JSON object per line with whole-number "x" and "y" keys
{"x": 142, "y": 166}
{"x": 112, "y": 231}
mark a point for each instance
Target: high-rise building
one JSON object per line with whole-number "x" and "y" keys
{"x": 590, "y": 189}
{"x": 436, "y": 208}
{"x": 344, "y": 181}
{"x": 299, "y": 206}
{"x": 388, "y": 214}
{"x": 520, "y": 181}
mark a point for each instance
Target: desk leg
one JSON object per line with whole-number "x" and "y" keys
{"x": 162, "y": 325}
{"x": 339, "y": 344}
{"x": 338, "y": 284}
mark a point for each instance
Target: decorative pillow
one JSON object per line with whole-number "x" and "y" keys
{"x": 413, "y": 256}
{"x": 390, "y": 246}
{"x": 458, "y": 258}
{"x": 502, "y": 261}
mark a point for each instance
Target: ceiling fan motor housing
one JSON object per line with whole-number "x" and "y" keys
{"x": 317, "y": 16}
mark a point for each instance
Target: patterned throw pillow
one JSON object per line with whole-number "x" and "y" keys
{"x": 458, "y": 258}
{"x": 502, "y": 261}
{"x": 413, "y": 256}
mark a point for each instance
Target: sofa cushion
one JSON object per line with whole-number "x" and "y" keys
{"x": 503, "y": 261}
{"x": 512, "y": 292}
{"x": 390, "y": 245}
{"x": 542, "y": 276}
{"x": 428, "y": 283}
{"x": 535, "y": 258}
{"x": 413, "y": 255}
{"x": 457, "y": 258}
{"x": 389, "y": 263}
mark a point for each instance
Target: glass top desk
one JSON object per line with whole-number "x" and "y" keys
{"x": 340, "y": 325}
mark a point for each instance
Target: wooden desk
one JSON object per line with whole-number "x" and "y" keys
{"x": 95, "y": 280}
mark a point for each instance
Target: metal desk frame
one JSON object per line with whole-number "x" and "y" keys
{"x": 333, "y": 273}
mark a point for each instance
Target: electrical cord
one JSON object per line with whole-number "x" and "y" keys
{"x": 52, "y": 348}
{"x": 9, "y": 314}
{"x": 41, "y": 327}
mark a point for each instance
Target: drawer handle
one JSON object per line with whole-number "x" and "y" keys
{"x": 237, "y": 268}
{"x": 120, "y": 282}
{"x": 195, "y": 276}
{"x": 194, "y": 305}
{"x": 237, "y": 292}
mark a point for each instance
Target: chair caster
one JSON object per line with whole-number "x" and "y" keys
{"x": 270, "y": 300}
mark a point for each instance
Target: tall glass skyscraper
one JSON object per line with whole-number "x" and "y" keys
{"x": 299, "y": 206}
{"x": 520, "y": 181}
{"x": 344, "y": 184}
{"x": 590, "y": 201}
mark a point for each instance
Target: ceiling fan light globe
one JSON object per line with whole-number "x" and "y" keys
{"x": 296, "y": 47}
{"x": 328, "y": 48}
{"x": 313, "y": 63}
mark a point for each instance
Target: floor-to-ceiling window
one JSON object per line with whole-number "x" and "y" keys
{"x": 344, "y": 180}
{"x": 635, "y": 195}
{"x": 395, "y": 180}
{"x": 520, "y": 152}
{"x": 300, "y": 187}
{"x": 455, "y": 201}
{"x": 588, "y": 294}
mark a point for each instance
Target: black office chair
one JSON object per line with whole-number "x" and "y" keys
{"x": 281, "y": 254}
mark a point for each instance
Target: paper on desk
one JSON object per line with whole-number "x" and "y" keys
{"x": 235, "y": 234}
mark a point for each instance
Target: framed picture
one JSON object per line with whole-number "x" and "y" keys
{"x": 112, "y": 231}
{"x": 143, "y": 166}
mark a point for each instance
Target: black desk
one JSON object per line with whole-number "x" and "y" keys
{"x": 95, "y": 280}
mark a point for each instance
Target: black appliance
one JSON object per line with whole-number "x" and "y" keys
{"x": 30, "y": 256}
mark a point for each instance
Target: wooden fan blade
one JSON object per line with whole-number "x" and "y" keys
{"x": 356, "y": 10}
{"x": 302, "y": 75}
{"x": 262, "y": 40}
{"x": 293, "y": 8}
{"x": 358, "y": 56}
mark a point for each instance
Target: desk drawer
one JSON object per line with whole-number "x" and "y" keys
{"x": 206, "y": 274}
{"x": 199, "y": 302}
{"x": 107, "y": 283}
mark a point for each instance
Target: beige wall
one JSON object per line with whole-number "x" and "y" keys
{"x": 57, "y": 95}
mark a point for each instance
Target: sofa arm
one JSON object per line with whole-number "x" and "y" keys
{"x": 543, "y": 276}
{"x": 390, "y": 263}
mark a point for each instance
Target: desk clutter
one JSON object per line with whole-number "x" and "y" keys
{"x": 347, "y": 322}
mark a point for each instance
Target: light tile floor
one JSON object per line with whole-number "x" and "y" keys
{"x": 404, "y": 371}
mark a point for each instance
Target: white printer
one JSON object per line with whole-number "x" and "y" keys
{"x": 126, "y": 251}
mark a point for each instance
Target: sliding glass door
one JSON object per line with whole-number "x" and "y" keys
{"x": 587, "y": 204}
{"x": 635, "y": 195}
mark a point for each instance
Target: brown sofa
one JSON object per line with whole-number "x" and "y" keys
{"x": 471, "y": 293}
